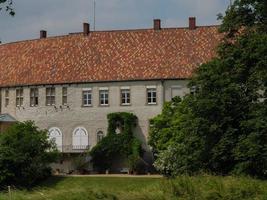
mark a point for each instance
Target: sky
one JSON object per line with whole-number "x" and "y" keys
{"x": 60, "y": 17}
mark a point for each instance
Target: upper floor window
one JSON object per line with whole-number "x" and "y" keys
{"x": 151, "y": 95}
{"x": 19, "y": 97}
{"x": 34, "y": 94}
{"x": 100, "y": 136}
{"x": 193, "y": 90}
{"x": 50, "y": 96}
{"x": 125, "y": 96}
{"x": 87, "y": 97}
{"x": 6, "y": 97}
{"x": 64, "y": 96}
{"x": 103, "y": 97}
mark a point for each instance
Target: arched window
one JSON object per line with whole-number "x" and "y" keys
{"x": 99, "y": 136}
{"x": 80, "y": 138}
{"x": 56, "y": 135}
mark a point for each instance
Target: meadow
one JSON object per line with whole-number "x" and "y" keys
{"x": 203, "y": 187}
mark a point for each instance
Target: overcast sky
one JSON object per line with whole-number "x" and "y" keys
{"x": 60, "y": 17}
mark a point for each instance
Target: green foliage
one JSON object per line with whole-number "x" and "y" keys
{"x": 222, "y": 128}
{"x": 115, "y": 145}
{"x": 202, "y": 187}
{"x": 25, "y": 154}
{"x": 7, "y": 6}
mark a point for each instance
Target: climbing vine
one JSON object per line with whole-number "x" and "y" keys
{"x": 119, "y": 142}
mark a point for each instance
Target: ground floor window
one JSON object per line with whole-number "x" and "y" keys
{"x": 80, "y": 139}
{"x": 55, "y": 135}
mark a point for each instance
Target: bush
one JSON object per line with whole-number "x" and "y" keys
{"x": 122, "y": 145}
{"x": 25, "y": 155}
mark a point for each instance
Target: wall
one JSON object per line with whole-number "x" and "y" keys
{"x": 94, "y": 118}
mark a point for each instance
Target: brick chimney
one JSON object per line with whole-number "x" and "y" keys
{"x": 157, "y": 24}
{"x": 86, "y": 29}
{"x": 192, "y": 23}
{"x": 43, "y": 34}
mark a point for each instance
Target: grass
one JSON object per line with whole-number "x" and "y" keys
{"x": 111, "y": 188}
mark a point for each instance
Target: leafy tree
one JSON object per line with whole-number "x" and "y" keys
{"x": 25, "y": 155}
{"x": 223, "y": 127}
{"x": 7, "y": 6}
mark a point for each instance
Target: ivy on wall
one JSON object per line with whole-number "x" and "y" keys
{"x": 119, "y": 142}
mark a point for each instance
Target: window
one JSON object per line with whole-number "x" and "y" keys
{"x": 151, "y": 95}
{"x": 87, "y": 97}
{"x": 6, "y": 98}
{"x": 99, "y": 136}
{"x": 19, "y": 97}
{"x": 50, "y": 96}
{"x": 193, "y": 90}
{"x": 34, "y": 97}
{"x": 55, "y": 135}
{"x": 125, "y": 97}
{"x": 80, "y": 139}
{"x": 176, "y": 91}
{"x": 103, "y": 97}
{"x": 64, "y": 96}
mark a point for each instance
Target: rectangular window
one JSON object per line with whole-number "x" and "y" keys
{"x": 103, "y": 97}
{"x": 125, "y": 97}
{"x": 64, "y": 96}
{"x": 50, "y": 96}
{"x": 6, "y": 98}
{"x": 151, "y": 96}
{"x": 19, "y": 97}
{"x": 87, "y": 97}
{"x": 34, "y": 95}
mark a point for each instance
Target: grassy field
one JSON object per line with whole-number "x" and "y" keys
{"x": 108, "y": 188}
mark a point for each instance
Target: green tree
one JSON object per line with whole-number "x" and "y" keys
{"x": 25, "y": 155}
{"x": 7, "y": 6}
{"x": 224, "y": 127}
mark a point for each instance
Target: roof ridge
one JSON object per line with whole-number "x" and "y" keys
{"x": 105, "y": 31}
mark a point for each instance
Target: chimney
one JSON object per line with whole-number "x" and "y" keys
{"x": 86, "y": 29}
{"x": 43, "y": 34}
{"x": 157, "y": 24}
{"x": 192, "y": 23}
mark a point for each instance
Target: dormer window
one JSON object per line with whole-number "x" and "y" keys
{"x": 19, "y": 97}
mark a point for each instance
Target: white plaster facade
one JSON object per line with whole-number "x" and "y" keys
{"x": 93, "y": 118}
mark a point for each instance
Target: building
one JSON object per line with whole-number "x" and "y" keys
{"x": 68, "y": 84}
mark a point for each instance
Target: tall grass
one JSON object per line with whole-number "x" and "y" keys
{"x": 182, "y": 188}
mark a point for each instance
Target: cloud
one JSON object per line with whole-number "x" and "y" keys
{"x": 64, "y": 16}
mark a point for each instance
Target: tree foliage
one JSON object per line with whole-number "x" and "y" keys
{"x": 25, "y": 155}
{"x": 115, "y": 145}
{"x": 7, "y": 6}
{"x": 222, "y": 128}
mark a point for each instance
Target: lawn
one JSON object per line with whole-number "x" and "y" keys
{"x": 108, "y": 188}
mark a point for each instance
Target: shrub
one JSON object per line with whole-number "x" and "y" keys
{"x": 25, "y": 155}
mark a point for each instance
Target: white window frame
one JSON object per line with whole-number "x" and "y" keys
{"x": 64, "y": 96}
{"x": 105, "y": 97}
{"x": 125, "y": 99}
{"x": 87, "y": 102}
{"x": 6, "y": 97}
{"x": 150, "y": 90}
{"x": 34, "y": 97}
{"x": 19, "y": 97}
{"x": 50, "y": 96}
{"x": 80, "y": 142}
{"x": 56, "y": 135}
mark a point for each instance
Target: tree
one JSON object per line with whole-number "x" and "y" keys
{"x": 25, "y": 155}
{"x": 224, "y": 127}
{"x": 7, "y": 6}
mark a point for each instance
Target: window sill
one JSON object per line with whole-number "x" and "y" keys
{"x": 126, "y": 104}
{"x": 151, "y": 104}
{"x": 87, "y": 106}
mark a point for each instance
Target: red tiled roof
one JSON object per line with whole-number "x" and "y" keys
{"x": 172, "y": 53}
